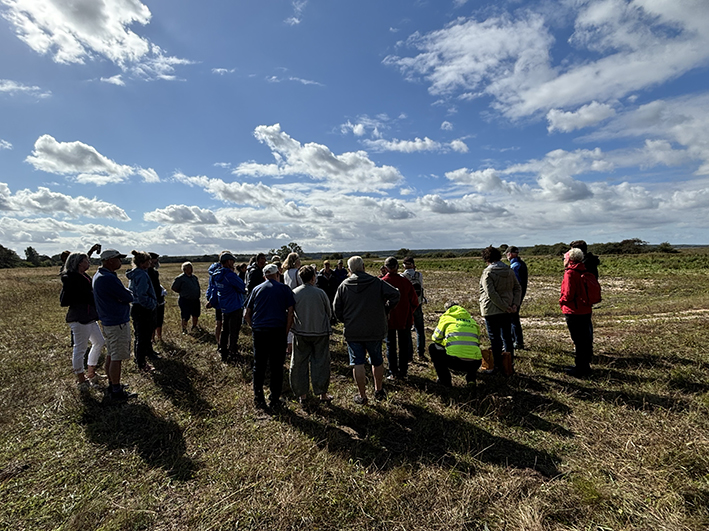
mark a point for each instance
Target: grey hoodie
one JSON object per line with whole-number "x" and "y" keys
{"x": 362, "y": 303}
{"x": 499, "y": 289}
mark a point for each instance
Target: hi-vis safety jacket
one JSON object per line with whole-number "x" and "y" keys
{"x": 458, "y": 332}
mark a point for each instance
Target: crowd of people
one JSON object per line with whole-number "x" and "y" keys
{"x": 290, "y": 309}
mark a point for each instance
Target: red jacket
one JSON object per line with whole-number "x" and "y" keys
{"x": 573, "y": 300}
{"x": 402, "y": 316}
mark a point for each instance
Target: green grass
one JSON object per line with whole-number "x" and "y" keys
{"x": 627, "y": 449}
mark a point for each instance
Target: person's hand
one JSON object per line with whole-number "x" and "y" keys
{"x": 95, "y": 248}
{"x": 512, "y": 309}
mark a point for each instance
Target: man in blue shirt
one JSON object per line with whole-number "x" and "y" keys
{"x": 113, "y": 306}
{"x": 269, "y": 312}
{"x": 520, "y": 269}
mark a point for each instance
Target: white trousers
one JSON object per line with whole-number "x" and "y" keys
{"x": 83, "y": 333}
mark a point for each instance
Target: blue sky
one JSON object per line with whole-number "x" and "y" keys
{"x": 187, "y": 127}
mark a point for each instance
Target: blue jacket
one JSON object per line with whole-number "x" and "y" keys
{"x": 112, "y": 298}
{"x": 142, "y": 288}
{"x": 211, "y": 288}
{"x": 230, "y": 290}
{"x": 520, "y": 269}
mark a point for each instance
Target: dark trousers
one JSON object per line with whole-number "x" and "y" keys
{"x": 269, "y": 348}
{"x": 229, "y": 340}
{"x": 420, "y": 332}
{"x": 443, "y": 363}
{"x": 143, "y": 326}
{"x": 581, "y": 330}
{"x": 399, "y": 363}
{"x": 499, "y": 331}
{"x": 517, "y": 335}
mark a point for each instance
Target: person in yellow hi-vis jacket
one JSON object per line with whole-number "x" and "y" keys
{"x": 456, "y": 345}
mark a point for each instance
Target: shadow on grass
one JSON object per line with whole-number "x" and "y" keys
{"x": 387, "y": 440}
{"x": 176, "y": 380}
{"x": 159, "y": 442}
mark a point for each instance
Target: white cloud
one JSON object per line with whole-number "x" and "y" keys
{"x": 177, "y": 214}
{"x": 353, "y": 171}
{"x": 82, "y": 161}
{"x": 8, "y": 86}
{"x": 639, "y": 44}
{"x": 114, "y": 80}
{"x": 446, "y": 126}
{"x": 459, "y": 146}
{"x": 222, "y": 71}
{"x": 487, "y": 180}
{"x": 44, "y": 201}
{"x": 585, "y": 116}
{"x": 4, "y": 144}
{"x": 404, "y": 146}
{"x": 73, "y": 32}
{"x": 298, "y": 7}
{"x": 364, "y": 124}
{"x": 257, "y": 195}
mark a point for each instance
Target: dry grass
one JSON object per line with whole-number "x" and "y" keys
{"x": 627, "y": 449}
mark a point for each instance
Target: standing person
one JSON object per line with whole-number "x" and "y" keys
{"x": 500, "y": 294}
{"x": 362, "y": 302}
{"x": 241, "y": 271}
{"x": 590, "y": 260}
{"x": 77, "y": 293}
{"x": 577, "y": 312}
{"x": 520, "y": 269}
{"x": 254, "y": 273}
{"x": 311, "y": 343}
{"x": 213, "y": 300}
{"x": 456, "y": 345}
{"x": 340, "y": 272}
{"x": 143, "y": 310}
{"x": 401, "y": 317}
{"x": 187, "y": 286}
{"x": 160, "y": 293}
{"x": 230, "y": 292}
{"x": 291, "y": 267}
{"x": 113, "y": 308}
{"x": 269, "y": 312}
{"x": 416, "y": 279}
{"x": 327, "y": 281}
{"x": 275, "y": 259}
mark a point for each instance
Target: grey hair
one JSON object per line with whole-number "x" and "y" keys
{"x": 391, "y": 263}
{"x": 187, "y": 264}
{"x": 72, "y": 262}
{"x": 575, "y": 254}
{"x": 355, "y": 263}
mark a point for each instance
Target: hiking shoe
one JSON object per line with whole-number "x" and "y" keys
{"x": 84, "y": 386}
{"x": 154, "y": 356}
{"x": 121, "y": 396}
{"x": 360, "y": 400}
{"x": 380, "y": 395}
{"x": 260, "y": 403}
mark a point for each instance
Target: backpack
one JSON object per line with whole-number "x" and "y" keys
{"x": 593, "y": 288}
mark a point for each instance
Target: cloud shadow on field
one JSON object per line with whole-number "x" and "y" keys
{"x": 387, "y": 439}
{"x": 134, "y": 425}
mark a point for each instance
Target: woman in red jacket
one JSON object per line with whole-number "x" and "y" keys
{"x": 577, "y": 311}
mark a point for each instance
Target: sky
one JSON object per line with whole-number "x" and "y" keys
{"x": 190, "y": 127}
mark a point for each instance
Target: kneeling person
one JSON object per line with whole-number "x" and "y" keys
{"x": 456, "y": 345}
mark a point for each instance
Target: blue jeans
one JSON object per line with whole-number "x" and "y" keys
{"x": 499, "y": 331}
{"x": 517, "y": 335}
{"x": 399, "y": 364}
{"x": 358, "y": 352}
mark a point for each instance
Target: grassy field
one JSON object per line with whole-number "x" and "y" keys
{"x": 627, "y": 449}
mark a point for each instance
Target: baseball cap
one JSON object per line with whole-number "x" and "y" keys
{"x": 270, "y": 269}
{"x": 226, "y": 256}
{"x": 111, "y": 253}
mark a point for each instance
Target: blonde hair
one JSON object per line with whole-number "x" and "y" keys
{"x": 291, "y": 260}
{"x": 184, "y": 266}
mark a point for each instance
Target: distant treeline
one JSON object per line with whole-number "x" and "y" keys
{"x": 9, "y": 258}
